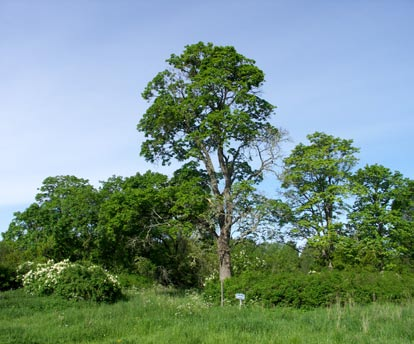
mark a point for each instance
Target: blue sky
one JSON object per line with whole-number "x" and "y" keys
{"x": 71, "y": 75}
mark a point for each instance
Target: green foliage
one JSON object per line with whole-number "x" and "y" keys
{"x": 316, "y": 179}
{"x": 8, "y": 278}
{"x": 245, "y": 257}
{"x": 267, "y": 257}
{"x": 129, "y": 216}
{"x": 183, "y": 262}
{"x": 207, "y": 98}
{"x": 315, "y": 289}
{"x": 72, "y": 281}
{"x": 130, "y": 280}
{"x": 61, "y": 223}
{"x": 383, "y": 233}
{"x": 149, "y": 226}
{"x": 404, "y": 200}
{"x": 280, "y": 257}
{"x": 10, "y": 258}
{"x": 88, "y": 283}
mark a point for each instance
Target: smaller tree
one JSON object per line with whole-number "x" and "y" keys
{"x": 316, "y": 180}
{"x": 377, "y": 217}
{"x": 128, "y": 217}
{"x": 151, "y": 217}
{"x": 61, "y": 223}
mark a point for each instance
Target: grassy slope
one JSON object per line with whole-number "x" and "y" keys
{"x": 156, "y": 317}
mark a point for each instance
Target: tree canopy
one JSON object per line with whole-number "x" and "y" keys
{"x": 316, "y": 179}
{"x": 61, "y": 223}
{"x": 382, "y": 231}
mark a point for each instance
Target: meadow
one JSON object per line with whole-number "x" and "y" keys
{"x": 166, "y": 316}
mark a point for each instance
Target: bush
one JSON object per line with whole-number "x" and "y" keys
{"x": 10, "y": 258}
{"x": 8, "y": 278}
{"x": 72, "y": 281}
{"x": 321, "y": 289}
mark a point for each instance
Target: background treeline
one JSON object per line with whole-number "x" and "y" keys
{"x": 336, "y": 233}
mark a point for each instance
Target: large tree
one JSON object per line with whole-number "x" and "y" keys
{"x": 316, "y": 179}
{"x": 207, "y": 107}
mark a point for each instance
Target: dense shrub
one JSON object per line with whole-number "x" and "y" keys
{"x": 322, "y": 289}
{"x": 74, "y": 281}
{"x": 8, "y": 278}
{"x": 10, "y": 258}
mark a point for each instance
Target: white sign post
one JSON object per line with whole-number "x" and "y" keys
{"x": 241, "y": 298}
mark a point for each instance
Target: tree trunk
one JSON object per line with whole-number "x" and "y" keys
{"x": 224, "y": 254}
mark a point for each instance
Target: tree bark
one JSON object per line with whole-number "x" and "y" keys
{"x": 224, "y": 254}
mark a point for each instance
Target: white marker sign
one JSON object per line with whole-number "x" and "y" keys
{"x": 240, "y": 297}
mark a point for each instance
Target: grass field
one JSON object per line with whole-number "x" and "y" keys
{"x": 159, "y": 316}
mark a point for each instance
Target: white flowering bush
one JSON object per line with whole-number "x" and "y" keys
{"x": 74, "y": 281}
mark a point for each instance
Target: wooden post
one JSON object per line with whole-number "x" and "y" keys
{"x": 221, "y": 292}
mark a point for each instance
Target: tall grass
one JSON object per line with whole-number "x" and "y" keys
{"x": 161, "y": 316}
